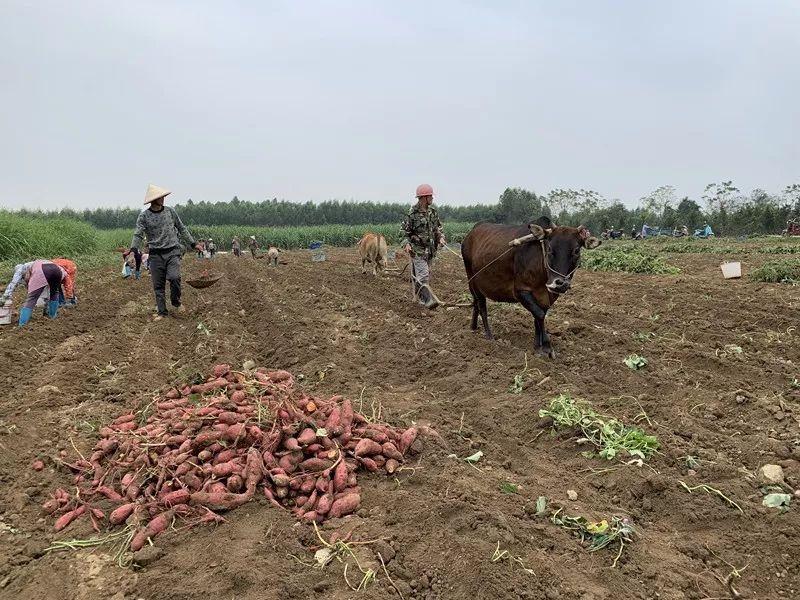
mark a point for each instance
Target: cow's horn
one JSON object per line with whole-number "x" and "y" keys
{"x": 537, "y": 231}
{"x": 591, "y": 242}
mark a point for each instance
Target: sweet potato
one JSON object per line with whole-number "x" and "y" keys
{"x": 281, "y": 492}
{"x": 235, "y": 484}
{"x": 109, "y": 493}
{"x": 369, "y": 464}
{"x": 406, "y": 439}
{"x": 226, "y": 468}
{"x": 346, "y": 414}
{"x": 367, "y": 447}
{"x": 315, "y": 464}
{"x": 235, "y": 432}
{"x": 310, "y": 516}
{"x": 221, "y": 370}
{"x": 323, "y": 483}
{"x": 391, "y": 465}
{"x": 391, "y": 451}
{"x": 50, "y": 506}
{"x": 230, "y": 417}
{"x": 176, "y": 497}
{"x": 344, "y": 505}
{"x": 307, "y": 436}
{"x": 219, "y": 501}
{"x": 324, "y": 504}
{"x": 340, "y": 476}
{"x": 254, "y": 468}
{"x": 225, "y": 456}
{"x": 69, "y": 517}
{"x": 121, "y": 513}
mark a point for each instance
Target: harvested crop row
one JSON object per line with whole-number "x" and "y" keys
{"x": 210, "y": 447}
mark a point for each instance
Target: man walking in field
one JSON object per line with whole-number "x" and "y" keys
{"x": 422, "y": 237}
{"x": 162, "y": 226}
{"x": 253, "y": 244}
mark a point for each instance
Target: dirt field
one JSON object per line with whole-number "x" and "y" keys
{"x": 440, "y": 523}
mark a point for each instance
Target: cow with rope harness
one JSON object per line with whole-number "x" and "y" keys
{"x": 527, "y": 264}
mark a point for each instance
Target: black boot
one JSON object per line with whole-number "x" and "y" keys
{"x": 427, "y": 297}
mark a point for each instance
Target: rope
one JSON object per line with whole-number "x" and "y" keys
{"x": 545, "y": 262}
{"x": 509, "y": 249}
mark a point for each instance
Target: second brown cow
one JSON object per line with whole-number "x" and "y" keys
{"x": 527, "y": 264}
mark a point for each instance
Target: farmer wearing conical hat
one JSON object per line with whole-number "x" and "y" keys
{"x": 162, "y": 226}
{"x": 422, "y": 237}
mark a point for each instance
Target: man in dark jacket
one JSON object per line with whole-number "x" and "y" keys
{"x": 162, "y": 226}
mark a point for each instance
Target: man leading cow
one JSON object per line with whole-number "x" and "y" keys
{"x": 422, "y": 237}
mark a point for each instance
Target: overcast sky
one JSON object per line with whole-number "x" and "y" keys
{"x": 364, "y": 100}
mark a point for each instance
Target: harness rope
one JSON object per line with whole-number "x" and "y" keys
{"x": 545, "y": 262}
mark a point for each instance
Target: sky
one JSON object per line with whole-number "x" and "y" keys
{"x": 363, "y": 100}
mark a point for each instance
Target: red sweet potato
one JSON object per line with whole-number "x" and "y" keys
{"x": 315, "y": 464}
{"x": 219, "y": 501}
{"x": 235, "y": 484}
{"x": 225, "y": 456}
{"x": 235, "y": 432}
{"x": 391, "y": 451}
{"x": 324, "y": 504}
{"x": 340, "y": 476}
{"x": 391, "y": 465}
{"x": 346, "y": 414}
{"x": 369, "y": 464}
{"x": 307, "y": 436}
{"x": 366, "y": 447}
{"x": 50, "y": 506}
{"x": 344, "y": 505}
{"x": 109, "y": 493}
{"x": 69, "y": 517}
{"x": 230, "y": 417}
{"x": 176, "y": 497}
{"x": 121, "y": 513}
{"x": 221, "y": 370}
{"x": 406, "y": 439}
{"x": 226, "y": 468}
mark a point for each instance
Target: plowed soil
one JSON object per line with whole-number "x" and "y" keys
{"x": 718, "y": 387}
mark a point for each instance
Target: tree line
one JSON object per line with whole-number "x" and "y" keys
{"x": 728, "y": 210}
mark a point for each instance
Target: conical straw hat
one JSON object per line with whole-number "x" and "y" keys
{"x": 154, "y": 193}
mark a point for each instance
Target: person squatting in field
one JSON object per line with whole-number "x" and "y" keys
{"x": 66, "y": 296}
{"x": 133, "y": 258}
{"x": 253, "y": 245}
{"x": 38, "y": 275}
{"x": 422, "y": 237}
{"x": 162, "y": 226}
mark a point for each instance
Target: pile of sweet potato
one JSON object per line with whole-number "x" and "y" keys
{"x": 213, "y": 446}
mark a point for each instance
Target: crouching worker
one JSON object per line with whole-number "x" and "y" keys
{"x": 67, "y": 298}
{"x": 162, "y": 226}
{"x": 38, "y": 274}
{"x": 133, "y": 258}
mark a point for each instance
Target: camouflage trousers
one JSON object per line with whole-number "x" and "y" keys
{"x": 422, "y": 269}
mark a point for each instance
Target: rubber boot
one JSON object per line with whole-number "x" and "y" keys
{"x": 427, "y": 297}
{"x": 52, "y": 309}
{"x": 25, "y": 315}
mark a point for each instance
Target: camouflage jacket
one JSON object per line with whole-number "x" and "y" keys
{"x": 423, "y": 230}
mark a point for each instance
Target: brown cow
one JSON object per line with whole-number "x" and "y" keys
{"x": 372, "y": 248}
{"x": 533, "y": 271}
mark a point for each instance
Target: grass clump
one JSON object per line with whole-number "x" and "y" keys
{"x": 778, "y": 271}
{"x": 31, "y": 237}
{"x": 610, "y": 436}
{"x": 628, "y": 260}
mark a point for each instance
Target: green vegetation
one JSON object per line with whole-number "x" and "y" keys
{"x": 729, "y": 211}
{"x": 778, "y": 271}
{"x": 627, "y": 259}
{"x": 609, "y": 435}
{"x": 288, "y": 237}
{"x": 23, "y": 238}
